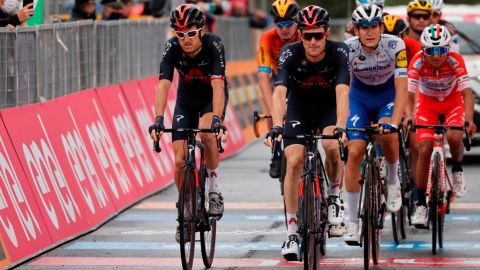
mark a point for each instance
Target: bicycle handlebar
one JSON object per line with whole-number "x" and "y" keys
{"x": 337, "y": 136}
{"x": 156, "y": 144}
{"x": 468, "y": 140}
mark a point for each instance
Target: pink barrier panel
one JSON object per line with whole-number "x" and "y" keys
{"x": 45, "y": 161}
{"x": 22, "y": 228}
{"x": 144, "y": 118}
{"x": 133, "y": 145}
{"x": 103, "y": 147}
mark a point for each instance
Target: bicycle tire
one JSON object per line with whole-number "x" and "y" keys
{"x": 323, "y": 217}
{"x": 311, "y": 252}
{"x": 441, "y": 224}
{"x": 376, "y": 214}
{"x": 394, "y": 228}
{"x": 187, "y": 190}
{"x": 366, "y": 224}
{"x": 434, "y": 201}
{"x": 405, "y": 182}
{"x": 208, "y": 230}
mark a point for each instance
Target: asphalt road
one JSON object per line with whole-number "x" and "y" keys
{"x": 252, "y": 231}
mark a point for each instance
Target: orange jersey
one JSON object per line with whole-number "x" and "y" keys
{"x": 412, "y": 47}
{"x": 269, "y": 50}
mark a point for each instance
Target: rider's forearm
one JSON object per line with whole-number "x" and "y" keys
{"x": 161, "y": 97}
{"x": 342, "y": 91}
{"x": 410, "y": 105}
{"x": 279, "y": 105}
{"x": 401, "y": 96}
{"x": 266, "y": 89}
{"x": 218, "y": 101}
{"x": 469, "y": 104}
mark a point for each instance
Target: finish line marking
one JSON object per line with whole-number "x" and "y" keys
{"x": 227, "y": 262}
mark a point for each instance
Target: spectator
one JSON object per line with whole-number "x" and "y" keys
{"x": 116, "y": 9}
{"x": 12, "y": 15}
{"x": 209, "y": 8}
{"x": 257, "y": 18}
{"x": 158, "y": 8}
{"x": 83, "y": 10}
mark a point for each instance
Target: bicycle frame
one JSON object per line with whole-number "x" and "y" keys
{"x": 438, "y": 148}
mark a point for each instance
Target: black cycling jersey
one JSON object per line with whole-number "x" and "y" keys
{"x": 195, "y": 73}
{"x": 312, "y": 85}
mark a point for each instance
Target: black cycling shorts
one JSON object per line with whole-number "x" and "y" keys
{"x": 187, "y": 115}
{"x": 300, "y": 122}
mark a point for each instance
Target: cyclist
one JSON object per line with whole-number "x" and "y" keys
{"x": 350, "y": 28}
{"x": 378, "y": 93}
{"x": 440, "y": 78}
{"x": 271, "y": 42}
{"x": 315, "y": 72}
{"x": 202, "y": 93}
{"x": 394, "y": 25}
{"x": 419, "y": 15}
{"x": 437, "y": 6}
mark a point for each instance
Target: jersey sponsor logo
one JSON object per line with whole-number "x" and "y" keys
{"x": 342, "y": 50}
{"x": 179, "y": 117}
{"x": 204, "y": 63}
{"x": 401, "y": 60}
{"x": 453, "y": 62}
{"x": 355, "y": 119}
{"x": 295, "y": 123}
{"x": 390, "y": 105}
{"x": 392, "y": 44}
{"x": 285, "y": 55}
{"x": 167, "y": 48}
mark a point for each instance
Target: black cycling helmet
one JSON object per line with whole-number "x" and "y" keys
{"x": 312, "y": 17}
{"x": 284, "y": 10}
{"x": 186, "y": 16}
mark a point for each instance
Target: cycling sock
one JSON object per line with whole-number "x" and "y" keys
{"x": 352, "y": 201}
{"x": 422, "y": 200}
{"x": 457, "y": 167}
{"x": 292, "y": 224}
{"x": 334, "y": 188}
{"x": 392, "y": 173}
{"x": 213, "y": 185}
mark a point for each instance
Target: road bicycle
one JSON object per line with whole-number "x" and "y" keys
{"x": 193, "y": 202}
{"x": 439, "y": 187}
{"x": 312, "y": 213}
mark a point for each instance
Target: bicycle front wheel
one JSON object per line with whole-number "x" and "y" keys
{"x": 309, "y": 243}
{"x": 377, "y": 214}
{"x": 208, "y": 228}
{"x": 367, "y": 228}
{"x": 186, "y": 218}
{"x": 434, "y": 215}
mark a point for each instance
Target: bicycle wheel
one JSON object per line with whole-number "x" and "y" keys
{"x": 434, "y": 217}
{"x": 208, "y": 228}
{"x": 311, "y": 248}
{"x": 186, "y": 218}
{"x": 377, "y": 213}
{"x": 366, "y": 215}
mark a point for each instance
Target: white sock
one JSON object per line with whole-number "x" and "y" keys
{"x": 352, "y": 202}
{"x": 333, "y": 188}
{"x": 292, "y": 224}
{"x": 392, "y": 173}
{"x": 212, "y": 180}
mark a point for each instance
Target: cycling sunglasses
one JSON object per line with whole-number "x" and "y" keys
{"x": 316, "y": 35}
{"x": 418, "y": 16}
{"x": 369, "y": 23}
{"x": 283, "y": 24}
{"x": 432, "y": 51}
{"x": 190, "y": 34}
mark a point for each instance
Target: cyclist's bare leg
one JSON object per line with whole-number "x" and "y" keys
{"x": 423, "y": 162}
{"x": 209, "y": 141}
{"x": 295, "y": 155}
{"x": 356, "y": 152}
{"x": 333, "y": 164}
{"x": 179, "y": 151}
{"x": 267, "y": 92}
{"x": 455, "y": 142}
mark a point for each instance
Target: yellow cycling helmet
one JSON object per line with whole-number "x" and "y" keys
{"x": 423, "y": 5}
{"x": 394, "y": 25}
{"x": 284, "y": 10}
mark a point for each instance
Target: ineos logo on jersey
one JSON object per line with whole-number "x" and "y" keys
{"x": 285, "y": 55}
{"x": 295, "y": 123}
{"x": 179, "y": 117}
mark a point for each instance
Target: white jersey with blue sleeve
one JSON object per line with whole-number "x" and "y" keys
{"x": 388, "y": 60}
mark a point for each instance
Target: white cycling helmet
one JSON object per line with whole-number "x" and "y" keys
{"x": 437, "y": 5}
{"x": 435, "y": 35}
{"x": 374, "y": 2}
{"x": 367, "y": 15}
